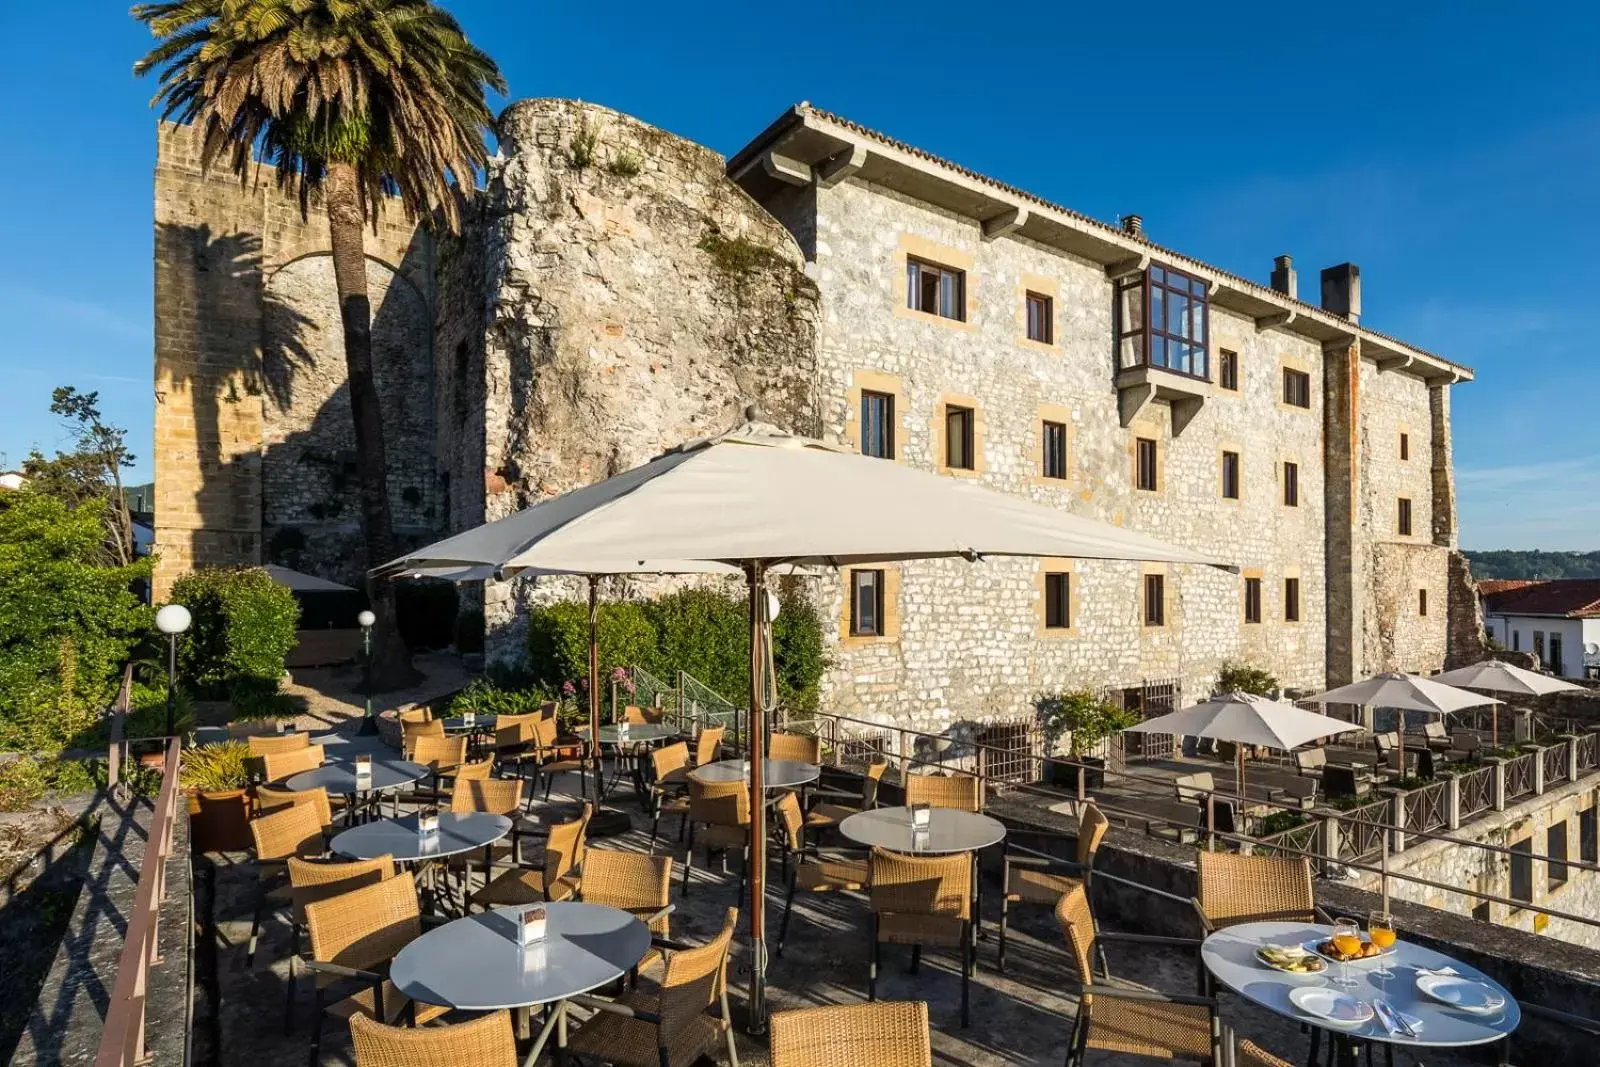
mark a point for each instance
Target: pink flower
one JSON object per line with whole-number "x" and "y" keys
{"x": 568, "y": 689}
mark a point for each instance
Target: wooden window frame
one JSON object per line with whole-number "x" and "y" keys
{"x": 869, "y": 396}
{"x": 1403, "y": 523}
{"x": 968, "y": 417}
{"x": 1291, "y": 599}
{"x": 1521, "y": 856}
{"x": 1228, "y": 370}
{"x": 1297, "y": 388}
{"x": 1422, "y": 603}
{"x": 1589, "y": 835}
{"x": 856, "y": 628}
{"x": 1147, "y": 447}
{"x": 1152, "y": 343}
{"x": 1056, "y": 471}
{"x": 1155, "y": 600}
{"x": 1405, "y": 446}
{"x": 1039, "y": 317}
{"x": 1232, "y": 479}
{"x": 1291, "y": 484}
{"x": 916, "y": 267}
{"x": 1058, "y": 600}
{"x": 1252, "y": 601}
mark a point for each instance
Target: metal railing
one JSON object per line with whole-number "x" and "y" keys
{"x": 1519, "y": 775}
{"x": 1556, "y": 759}
{"x": 122, "y": 1039}
{"x": 1476, "y": 791}
{"x": 1428, "y": 807}
{"x": 1588, "y": 750}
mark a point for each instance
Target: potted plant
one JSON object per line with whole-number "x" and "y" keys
{"x": 1086, "y": 719}
{"x": 217, "y": 777}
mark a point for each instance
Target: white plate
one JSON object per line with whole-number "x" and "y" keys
{"x": 1331, "y": 1006}
{"x": 1461, "y": 993}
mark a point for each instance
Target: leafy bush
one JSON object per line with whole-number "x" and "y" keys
{"x": 255, "y": 699}
{"x": 244, "y": 626}
{"x": 215, "y": 768}
{"x": 25, "y": 779}
{"x": 147, "y": 712}
{"x": 705, "y": 633}
{"x": 1087, "y": 716}
{"x": 485, "y": 696}
{"x": 558, "y": 641}
{"x": 67, "y": 621}
{"x": 1243, "y": 678}
{"x": 799, "y": 654}
{"x": 1279, "y": 821}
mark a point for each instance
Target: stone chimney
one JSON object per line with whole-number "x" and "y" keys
{"x": 1341, "y": 291}
{"x": 1133, "y": 225}
{"x": 1284, "y": 278}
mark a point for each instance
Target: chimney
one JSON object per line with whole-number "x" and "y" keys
{"x": 1133, "y": 225}
{"x": 1284, "y": 278}
{"x": 1341, "y": 291}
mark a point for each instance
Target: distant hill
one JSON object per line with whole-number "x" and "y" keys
{"x": 1531, "y": 563}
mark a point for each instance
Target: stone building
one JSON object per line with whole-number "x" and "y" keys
{"x": 619, "y": 289}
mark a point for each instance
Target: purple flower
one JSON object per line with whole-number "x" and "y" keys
{"x": 568, "y": 689}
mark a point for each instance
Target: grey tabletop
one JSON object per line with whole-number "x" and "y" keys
{"x": 341, "y": 778}
{"x": 477, "y": 964}
{"x": 637, "y": 732}
{"x": 776, "y": 773}
{"x": 1230, "y": 955}
{"x": 457, "y": 833}
{"x": 458, "y": 723}
{"x": 949, "y": 830}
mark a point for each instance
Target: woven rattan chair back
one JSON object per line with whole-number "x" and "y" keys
{"x": 719, "y": 803}
{"x": 247, "y": 728}
{"x": 480, "y": 771}
{"x": 631, "y": 881}
{"x": 884, "y": 1034}
{"x": 366, "y": 926}
{"x": 694, "y": 980}
{"x": 498, "y": 796}
{"x": 440, "y": 754}
{"x": 938, "y": 886}
{"x": 511, "y": 731}
{"x": 412, "y": 732}
{"x": 261, "y": 744}
{"x": 1077, "y": 926}
{"x": 270, "y": 799}
{"x": 634, "y": 715}
{"x": 870, "y": 781}
{"x": 961, "y": 791}
{"x": 669, "y": 758}
{"x": 708, "y": 746}
{"x": 791, "y": 820}
{"x": 280, "y": 765}
{"x": 1249, "y": 1054}
{"x": 415, "y": 713}
{"x": 1241, "y": 889}
{"x": 1092, "y": 827}
{"x": 802, "y": 747}
{"x": 564, "y": 848}
{"x": 548, "y": 709}
{"x": 487, "y": 1041}
{"x": 314, "y": 880}
{"x": 292, "y": 831}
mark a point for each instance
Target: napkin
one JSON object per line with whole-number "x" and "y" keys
{"x": 1443, "y": 972}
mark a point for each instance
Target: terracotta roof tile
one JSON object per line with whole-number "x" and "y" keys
{"x": 1573, "y": 598}
{"x": 1492, "y": 586}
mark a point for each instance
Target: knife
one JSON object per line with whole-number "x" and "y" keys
{"x": 1409, "y": 1030}
{"x": 1385, "y": 1017}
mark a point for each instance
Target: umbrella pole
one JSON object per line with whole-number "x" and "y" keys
{"x": 594, "y": 686}
{"x": 1238, "y": 755}
{"x": 757, "y": 724}
{"x": 1401, "y": 734}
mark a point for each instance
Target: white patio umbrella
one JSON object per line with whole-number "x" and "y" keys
{"x": 1245, "y": 719}
{"x": 1496, "y": 676}
{"x": 1403, "y": 692}
{"x": 758, "y": 497}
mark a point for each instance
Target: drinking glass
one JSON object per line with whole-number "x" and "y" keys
{"x": 1380, "y": 927}
{"x": 1347, "y": 940}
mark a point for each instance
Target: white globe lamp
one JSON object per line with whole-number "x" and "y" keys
{"x": 172, "y": 620}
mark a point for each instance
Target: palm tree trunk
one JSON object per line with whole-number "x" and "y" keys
{"x": 391, "y": 666}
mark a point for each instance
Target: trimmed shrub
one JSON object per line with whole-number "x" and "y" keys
{"x": 705, "y": 633}
{"x": 244, "y": 626}
{"x": 147, "y": 712}
{"x": 1243, "y": 678}
{"x": 799, "y": 654}
{"x": 558, "y": 642}
{"x": 263, "y": 698}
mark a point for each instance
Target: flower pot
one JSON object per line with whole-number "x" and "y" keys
{"x": 219, "y": 821}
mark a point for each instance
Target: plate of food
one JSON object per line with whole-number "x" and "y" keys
{"x": 1366, "y": 952}
{"x": 1291, "y": 959}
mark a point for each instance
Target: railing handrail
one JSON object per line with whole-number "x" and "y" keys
{"x": 122, "y": 1039}
{"x": 116, "y": 741}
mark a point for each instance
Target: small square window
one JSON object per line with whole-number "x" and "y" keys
{"x": 1054, "y": 449}
{"x": 1145, "y": 475}
{"x": 1522, "y": 870}
{"x": 1057, "y": 600}
{"x": 958, "y": 438}
{"x": 1041, "y": 318}
{"x": 866, "y": 603}
{"x": 1228, "y": 370}
{"x": 1589, "y": 835}
{"x": 877, "y": 424}
{"x": 1252, "y": 600}
{"x": 1230, "y": 476}
{"x": 1291, "y": 485}
{"x": 1422, "y": 602}
{"x": 936, "y": 290}
{"x": 1296, "y": 388}
{"x": 1405, "y": 446}
{"x": 1555, "y": 852}
{"x": 1291, "y": 600}
{"x": 1155, "y": 600}
{"x": 1404, "y": 518}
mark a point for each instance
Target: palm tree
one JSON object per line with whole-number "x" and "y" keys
{"x": 359, "y": 103}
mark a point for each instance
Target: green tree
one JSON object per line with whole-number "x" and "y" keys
{"x": 1243, "y": 678}
{"x": 93, "y": 471}
{"x": 351, "y": 100}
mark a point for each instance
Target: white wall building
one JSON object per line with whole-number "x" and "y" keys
{"x": 1558, "y": 621}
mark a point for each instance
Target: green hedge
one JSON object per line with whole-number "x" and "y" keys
{"x": 244, "y": 625}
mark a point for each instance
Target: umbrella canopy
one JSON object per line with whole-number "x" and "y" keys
{"x": 1403, "y": 692}
{"x": 1496, "y": 676}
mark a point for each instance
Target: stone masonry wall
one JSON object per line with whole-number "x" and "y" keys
{"x": 636, "y": 299}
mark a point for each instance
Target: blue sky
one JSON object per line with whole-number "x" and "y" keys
{"x": 1449, "y": 149}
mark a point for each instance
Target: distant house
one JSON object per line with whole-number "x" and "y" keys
{"x": 13, "y": 480}
{"x": 1557, "y": 620}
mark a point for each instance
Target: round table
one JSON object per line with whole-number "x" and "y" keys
{"x": 477, "y": 963}
{"x": 457, "y": 723}
{"x": 458, "y": 833}
{"x": 949, "y": 830}
{"x": 776, "y": 773}
{"x": 1230, "y": 957}
{"x": 341, "y": 778}
{"x": 642, "y": 733}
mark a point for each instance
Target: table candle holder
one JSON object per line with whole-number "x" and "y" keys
{"x": 469, "y": 719}
{"x": 622, "y": 730}
{"x": 919, "y": 838}
{"x": 531, "y": 928}
{"x": 921, "y": 817}
{"x": 428, "y": 822}
{"x": 363, "y": 769}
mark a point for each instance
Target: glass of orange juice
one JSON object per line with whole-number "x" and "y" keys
{"x": 1380, "y": 927}
{"x": 1347, "y": 940}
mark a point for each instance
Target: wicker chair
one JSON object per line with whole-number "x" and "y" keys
{"x": 276, "y": 766}
{"x": 481, "y": 771}
{"x": 961, "y": 791}
{"x": 634, "y": 715}
{"x": 888, "y": 1034}
{"x": 675, "y": 1027}
{"x": 314, "y": 880}
{"x": 1033, "y": 877}
{"x": 293, "y": 831}
{"x": 708, "y": 745}
{"x": 270, "y": 799}
{"x": 1119, "y": 1018}
{"x": 555, "y": 879}
{"x": 243, "y": 729}
{"x": 487, "y": 1041}
{"x": 1249, "y": 1054}
{"x": 441, "y": 755}
{"x": 669, "y": 784}
{"x": 414, "y": 713}
{"x": 261, "y": 744}
{"x": 634, "y": 882}
{"x": 827, "y": 814}
{"x": 922, "y": 900}
{"x": 1236, "y": 889}
{"x": 557, "y": 757}
{"x": 352, "y": 936}
{"x": 719, "y": 820}
{"x": 500, "y": 796}
{"x": 802, "y": 747}
{"x": 412, "y": 732}
{"x": 812, "y": 870}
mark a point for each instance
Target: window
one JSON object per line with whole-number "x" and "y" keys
{"x": 1041, "y": 318}
{"x": 1404, "y": 518}
{"x": 936, "y": 290}
{"x": 1228, "y": 370}
{"x": 1405, "y": 446}
{"x": 1057, "y": 600}
{"x": 866, "y": 603}
{"x": 1522, "y": 870}
{"x": 1422, "y": 602}
{"x": 1555, "y": 654}
{"x": 1252, "y": 600}
{"x": 1291, "y": 600}
{"x": 1516, "y": 640}
{"x": 1589, "y": 836}
{"x": 1155, "y": 600}
{"x": 1555, "y": 853}
{"x": 958, "y": 426}
{"x": 877, "y": 424}
{"x": 1163, "y": 321}
{"x": 1296, "y": 388}
{"x": 1230, "y": 476}
{"x": 1144, "y": 454}
{"x": 1053, "y": 448}
{"x": 1291, "y": 485}
{"x": 1482, "y": 912}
